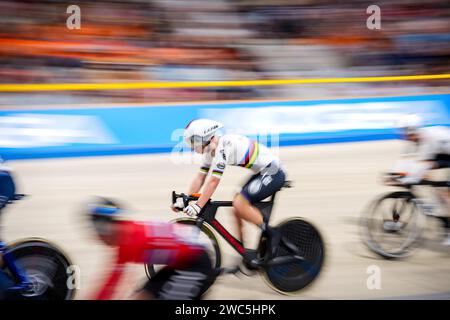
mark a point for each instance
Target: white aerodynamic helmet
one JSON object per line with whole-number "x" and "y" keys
{"x": 410, "y": 123}
{"x": 200, "y": 132}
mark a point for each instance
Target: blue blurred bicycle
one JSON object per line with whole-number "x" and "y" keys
{"x": 34, "y": 269}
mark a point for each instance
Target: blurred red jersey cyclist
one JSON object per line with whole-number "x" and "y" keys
{"x": 188, "y": 270}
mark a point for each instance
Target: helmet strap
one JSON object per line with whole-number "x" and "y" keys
{"x": 207, "y": 143}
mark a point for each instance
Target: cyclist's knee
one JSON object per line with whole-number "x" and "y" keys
{"x": 239, "y": 202}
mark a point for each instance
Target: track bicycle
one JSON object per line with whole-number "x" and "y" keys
{"x": 299, "y": 256}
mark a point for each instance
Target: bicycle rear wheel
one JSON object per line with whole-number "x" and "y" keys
{"x": 46, "y": 266}
{"x": 392, "y": 225}
{"x": 291, "y": 277}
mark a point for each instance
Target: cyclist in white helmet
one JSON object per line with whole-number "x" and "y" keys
{"x": 429, "y": 148}
{"x": 220, "y": 151}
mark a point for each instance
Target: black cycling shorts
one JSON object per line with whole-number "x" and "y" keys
{"x": 187, "y": 283}
{"x": 442, "y": 160}
{"x": 263, "y": 184}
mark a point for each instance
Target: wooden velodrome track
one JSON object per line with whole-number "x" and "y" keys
{"x": 333, "y": 183}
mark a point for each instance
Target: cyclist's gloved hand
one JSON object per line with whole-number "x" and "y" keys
{"x": 178, "y": 205}
{"x": 192, "y": 210}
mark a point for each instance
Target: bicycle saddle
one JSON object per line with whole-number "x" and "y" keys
{"x": 17, "y": 197}
{"x": 288, "y": 184}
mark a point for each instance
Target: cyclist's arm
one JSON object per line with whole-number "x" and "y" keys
{"x": 197, "y": 183}
{"x": 108, "y": 289}
{"x": 200, "y": 178}
{"x": 218, "y": 164}
{"x": 208, "y": 191}
{"x": 418, "y": 172}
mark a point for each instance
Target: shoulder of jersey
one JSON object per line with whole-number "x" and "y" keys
{"x": 233, "y": 137}
{"x": 226, "y": 140}
{"x": 436, "y": 130}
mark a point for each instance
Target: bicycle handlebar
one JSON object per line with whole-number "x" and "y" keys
{"x": 434, "y": 183}
{"x": 17, "y": 197}
{"x": 394, "y": 176}
{"x": 186, "y": 198}
{"x": 194, "y": 197}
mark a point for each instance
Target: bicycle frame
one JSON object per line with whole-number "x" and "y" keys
{"x": 427, "y": 207}
{"x": 208, "y": 214}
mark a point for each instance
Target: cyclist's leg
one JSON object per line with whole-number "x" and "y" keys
{"x": 442, "y": 161}
{"x": 187, "y": 283}
{"x": 152, "y": 288}
{"x": 444, "y": 197}
{"x": 239, "y": 226}
{"x": 258, "y": 188}
{"x": 244, "y": 210}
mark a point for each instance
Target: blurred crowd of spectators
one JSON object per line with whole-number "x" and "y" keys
{"x": 190, "y": 40}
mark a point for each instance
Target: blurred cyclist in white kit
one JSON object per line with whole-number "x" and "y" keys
{"x": 429, "y": 148}
{"x": 220, "y": 151}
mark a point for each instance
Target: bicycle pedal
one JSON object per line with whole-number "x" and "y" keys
{"x": 257, "y": 263}
{"x": 232, "y": 270}
{"x": 392, "y": 226}
{"x": 243, "y": 269}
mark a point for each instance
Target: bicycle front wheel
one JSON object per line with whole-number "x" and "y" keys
{"x": 292, "y": 277}
{"x": 392, "y": 225}
{"x": 206, "y": 236}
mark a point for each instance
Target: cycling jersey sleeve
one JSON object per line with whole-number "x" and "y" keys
{"x": 427, "y": 149}
{"x": 206, "y": 165}
{"x": 109, "y": 287}
{"x": 220, "y": 159}
{"x": 433, "y": 141}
